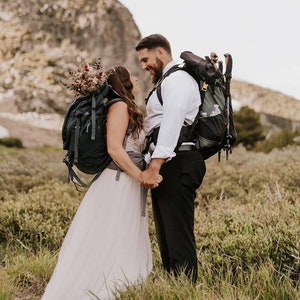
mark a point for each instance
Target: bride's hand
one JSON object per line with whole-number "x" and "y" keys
{"x": 149, "y": 180}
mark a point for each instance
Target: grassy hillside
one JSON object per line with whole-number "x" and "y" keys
{"x": 247, "y": 227}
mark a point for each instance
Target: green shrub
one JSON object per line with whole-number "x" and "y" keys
{"x": 6, "y": 287}
{"x": 39, "y": 218}
{"x": 248, "y": 127}
{"x": 278, "y": 140}
{"x": 246, "y": 227}
{"x": 30, "y": 272}
{"x": 11, "y": 142}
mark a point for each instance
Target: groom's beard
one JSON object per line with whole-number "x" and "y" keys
{"x": 158, "y": 70}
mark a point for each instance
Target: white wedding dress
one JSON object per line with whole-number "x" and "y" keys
{"x": 107, "y": 246}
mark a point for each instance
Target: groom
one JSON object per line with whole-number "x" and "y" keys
{"x": 181, "y": 166}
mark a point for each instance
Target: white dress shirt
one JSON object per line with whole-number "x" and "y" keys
{"x": 181, "y": 100}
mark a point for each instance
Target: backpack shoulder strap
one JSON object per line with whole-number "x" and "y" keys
{"x": 112, "y": 101}
{"x": 112, "y": 97}
{"x": 157, "y": 86}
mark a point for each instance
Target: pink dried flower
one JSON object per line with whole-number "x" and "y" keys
{"x": 88, "y": 78}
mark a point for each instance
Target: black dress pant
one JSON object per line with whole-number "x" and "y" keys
{"x": 173, "y": 211}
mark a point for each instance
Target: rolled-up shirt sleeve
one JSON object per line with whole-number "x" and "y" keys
{"x": 181, "y": 100}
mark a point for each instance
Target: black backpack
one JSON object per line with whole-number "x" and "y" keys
{"x": 84, "y": 133}
{"x": 211, "y": 131}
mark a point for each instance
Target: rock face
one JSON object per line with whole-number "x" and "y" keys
{"x": 41, "y": 40}
{"x": 266, "y": 101}
{"x": 3, "y": 132}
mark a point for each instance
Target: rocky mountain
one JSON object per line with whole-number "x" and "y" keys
{"x": 265, "y": 100}
{"x": 278, "y": 111}
{"x": 41, "y": 40}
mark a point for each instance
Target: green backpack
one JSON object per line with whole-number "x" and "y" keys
{"x": 84, "y": 133}
{"x": 213, "y": 129}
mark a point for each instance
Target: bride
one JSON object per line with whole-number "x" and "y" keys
{"x": 107, "y": 246}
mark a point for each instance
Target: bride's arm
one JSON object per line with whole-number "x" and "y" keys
{"x": 117, "y": 123}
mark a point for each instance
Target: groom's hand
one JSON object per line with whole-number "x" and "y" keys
{"x": 151, "y": 178}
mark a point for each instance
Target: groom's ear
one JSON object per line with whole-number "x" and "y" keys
{"x": 163, "y": 55}
{"x": 160, "y": 52}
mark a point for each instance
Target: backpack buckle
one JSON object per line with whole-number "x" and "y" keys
{"x": 204, "y": 86}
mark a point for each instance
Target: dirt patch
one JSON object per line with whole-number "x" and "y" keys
{"x": 32, "y": 136}
{"x": 34, "y": 130}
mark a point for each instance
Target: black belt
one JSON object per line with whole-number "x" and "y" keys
{"x": 186, "y": 148}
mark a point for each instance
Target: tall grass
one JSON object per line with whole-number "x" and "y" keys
{"x": 247, "y": 227}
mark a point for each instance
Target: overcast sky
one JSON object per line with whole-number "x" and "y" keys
{"x": 261, "y": 35}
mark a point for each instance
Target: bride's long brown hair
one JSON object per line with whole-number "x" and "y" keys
{"x": 119, "y": 78}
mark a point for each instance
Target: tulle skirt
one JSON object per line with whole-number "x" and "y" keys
{"x": 107, "y": 246}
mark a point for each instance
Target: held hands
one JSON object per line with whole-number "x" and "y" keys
{"x": 150, "y": 179}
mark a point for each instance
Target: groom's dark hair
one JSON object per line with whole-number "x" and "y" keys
{"x": 152, "y": 41}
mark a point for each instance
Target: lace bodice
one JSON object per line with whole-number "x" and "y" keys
{"x": 135, "y": 144}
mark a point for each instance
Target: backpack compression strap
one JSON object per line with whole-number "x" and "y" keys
{"x": 104, "y": 92}
{"x": 72, "y": 176}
